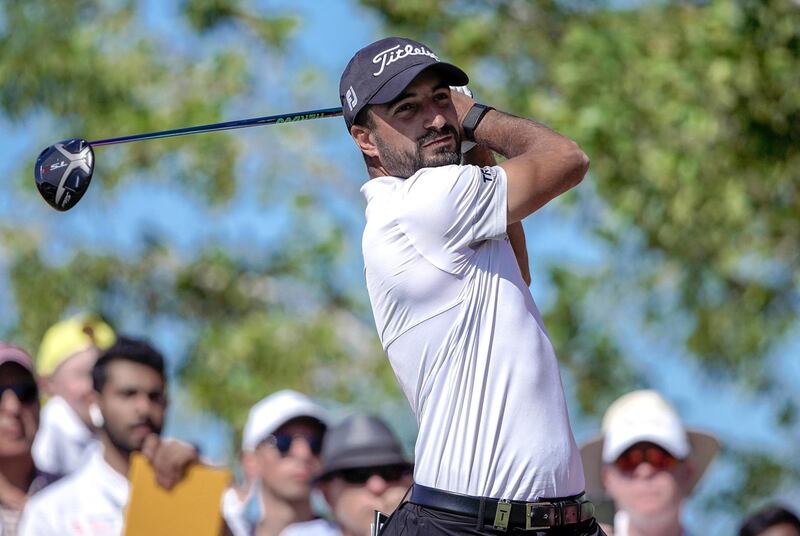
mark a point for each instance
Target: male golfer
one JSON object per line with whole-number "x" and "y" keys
{"x": 495, "y": 451}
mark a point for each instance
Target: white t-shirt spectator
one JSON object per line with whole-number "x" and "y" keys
{"x": 90, "y": 502}
{"x": 63, "y": 440}
{"x": 465, "y": 337}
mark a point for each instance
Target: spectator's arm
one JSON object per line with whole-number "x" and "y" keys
{"x": 169, "y": 458}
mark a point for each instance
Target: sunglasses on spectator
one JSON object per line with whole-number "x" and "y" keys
{"x": 26, "y": 392}
{"x": 283, "y": 442}
{"x": 660, "y": 459}
{"x": 389, "y": 473}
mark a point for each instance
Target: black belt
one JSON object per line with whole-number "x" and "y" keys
{"x": 502, "y": 514}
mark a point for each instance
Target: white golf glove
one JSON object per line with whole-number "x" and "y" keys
{"x": 466, "y": 145}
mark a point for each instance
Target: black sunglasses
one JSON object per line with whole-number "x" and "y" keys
{"x": 389, "y": 473}
{"x": 26, "y": 393}
{"x": 283, "y": 442}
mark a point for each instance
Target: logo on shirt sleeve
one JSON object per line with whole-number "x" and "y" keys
{"x": 488, "y": 173}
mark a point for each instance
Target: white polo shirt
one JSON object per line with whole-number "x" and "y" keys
{"x": 63, "y": 440}
{"x": 465, "y": 338}
{"x": 90, "y": 502}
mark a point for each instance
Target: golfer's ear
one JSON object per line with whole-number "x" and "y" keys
{"x": 364, "y": 139}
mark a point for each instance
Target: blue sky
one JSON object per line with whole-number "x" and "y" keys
{"x": 329, "y": 33}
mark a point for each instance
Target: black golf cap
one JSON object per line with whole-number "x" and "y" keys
{"x": 379, "y": 72}
{"x": 360, "y": 441}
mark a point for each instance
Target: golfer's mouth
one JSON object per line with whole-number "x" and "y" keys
{"x": 446, "y": 139}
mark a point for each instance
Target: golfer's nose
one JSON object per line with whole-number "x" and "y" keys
{"x": 435, "y": 119}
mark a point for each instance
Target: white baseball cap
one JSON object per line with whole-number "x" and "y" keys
{"x": 274, "y": 411}
{"x": 645, "y": 416}
{"x": 642, "y": 416}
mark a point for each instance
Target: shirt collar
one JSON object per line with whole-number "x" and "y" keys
{"x": 108, "y": 481}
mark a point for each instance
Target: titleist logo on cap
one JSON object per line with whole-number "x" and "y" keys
{"x": 391, "y": 55}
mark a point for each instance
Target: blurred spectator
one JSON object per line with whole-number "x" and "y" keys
{"x": 19, "y": 420}
{"x": 280, "y": 447}
{"x": 648, "y": 463}
{"x": 363, "y": 470}
{"x": 129, "y": 393}
{"x": 771, "y": 521}
{"x": 64, "y": 365}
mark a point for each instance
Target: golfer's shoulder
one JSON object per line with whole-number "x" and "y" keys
{"x": 440, "y": 181}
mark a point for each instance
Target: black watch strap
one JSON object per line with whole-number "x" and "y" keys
{"x": 471, "y": 120}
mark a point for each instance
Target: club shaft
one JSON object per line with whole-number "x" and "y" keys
{"x": 242, "y": 123}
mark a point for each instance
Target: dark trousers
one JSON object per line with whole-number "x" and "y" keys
{"x": 412, "y": 520}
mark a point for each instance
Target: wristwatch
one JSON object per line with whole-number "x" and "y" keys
{"x": 471, "y": 120}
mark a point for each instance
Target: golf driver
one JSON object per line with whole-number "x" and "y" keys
{"x": 63, "y": 171}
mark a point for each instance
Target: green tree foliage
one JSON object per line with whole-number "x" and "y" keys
{"x": 690, "y": 112}
{"x": 249, "y": 316}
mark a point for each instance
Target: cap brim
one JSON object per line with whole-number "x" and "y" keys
{"x": 13, "y": 355}
{"x": 704, "y": 447}
{"x": 453, "y": 76}
{"x": 251, "y": 444}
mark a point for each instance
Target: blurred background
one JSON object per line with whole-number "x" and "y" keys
{"x": 675, "y": 265}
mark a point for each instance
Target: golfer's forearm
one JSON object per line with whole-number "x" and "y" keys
{"x": 556, "y": 157}
{"x": 512, "y": 136}
{"x": 541, "y": 164}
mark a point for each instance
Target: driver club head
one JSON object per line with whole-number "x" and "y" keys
{"x": 63, "y": 172}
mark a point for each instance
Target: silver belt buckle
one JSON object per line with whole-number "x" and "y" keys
{"x": 502, "y": 515}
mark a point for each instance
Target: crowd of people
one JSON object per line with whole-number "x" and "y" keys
{"x": 447, "y": 274}
{"x": 63, "y": 470}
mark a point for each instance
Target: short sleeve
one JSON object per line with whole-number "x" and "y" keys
{"x": 448, "y": 211}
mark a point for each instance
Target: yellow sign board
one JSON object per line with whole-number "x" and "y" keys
{"x": 192, "y": 508}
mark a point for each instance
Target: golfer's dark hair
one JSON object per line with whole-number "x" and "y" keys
{"x": 126, "y": 349}
{"x": 364, "y": 118}
{"x": 768, "y": 517}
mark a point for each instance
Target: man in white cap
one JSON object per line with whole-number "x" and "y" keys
{"x": 648, "y": 462}
{"x": 281, "y": 444}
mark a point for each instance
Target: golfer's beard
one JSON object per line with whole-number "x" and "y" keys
{"x": 403, "y": 165}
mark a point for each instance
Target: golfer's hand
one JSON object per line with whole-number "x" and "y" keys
{"x": 462, "y": 100}
{"x": 169, "y": 458}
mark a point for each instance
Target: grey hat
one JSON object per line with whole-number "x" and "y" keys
{"x": 357, "y": 442}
